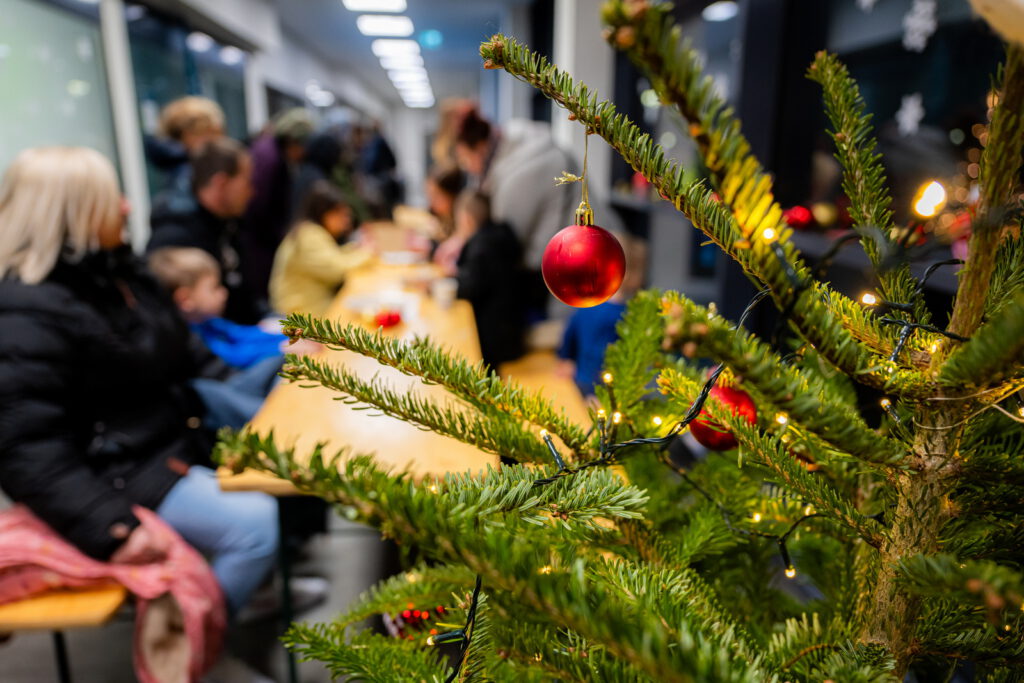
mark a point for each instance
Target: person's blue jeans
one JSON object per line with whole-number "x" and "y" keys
{"x": 234, "y": 401}
{"x": 236, "y": 530}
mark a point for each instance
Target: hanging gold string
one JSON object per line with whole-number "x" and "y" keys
{"x": 585, "y": 214}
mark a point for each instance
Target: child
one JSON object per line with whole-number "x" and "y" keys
{"x": 591, "y": 330}
{"x": 310, "y": 266}
{"x": 192, "y": 277}
{"x": 489, "y": 274}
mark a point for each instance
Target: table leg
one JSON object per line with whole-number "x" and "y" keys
{"x": 60, "y": 650}
{"x": 286, "y": 597}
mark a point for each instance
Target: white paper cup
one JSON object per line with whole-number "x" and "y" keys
{"x": 443, "y": 291}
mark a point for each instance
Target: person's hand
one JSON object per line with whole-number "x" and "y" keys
{"x": 303, "y": 347}
{"x": 141, "y": 547}
{"x": 565, "y": 369}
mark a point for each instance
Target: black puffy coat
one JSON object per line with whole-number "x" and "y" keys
{"x": 95, "y": 410}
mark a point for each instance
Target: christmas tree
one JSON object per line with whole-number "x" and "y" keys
{"x": 826, "y": 545}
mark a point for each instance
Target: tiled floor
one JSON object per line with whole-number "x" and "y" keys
{"x": 349, "y": 556}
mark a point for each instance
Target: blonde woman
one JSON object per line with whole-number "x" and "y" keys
{"x": 95, "y": 410}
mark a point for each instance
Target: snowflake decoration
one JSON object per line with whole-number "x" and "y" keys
{"x": 866, "y": 5}
{"x": 909, "y": 116}
{"x": 919, "y": 24}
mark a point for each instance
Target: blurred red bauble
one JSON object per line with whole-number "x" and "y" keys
{"x": 798, "y": 217}
{"x": 714, "y": 436}
{"x": 387, "y": 318}
{"x": 583, "y": 265}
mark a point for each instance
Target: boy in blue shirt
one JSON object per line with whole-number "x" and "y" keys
{"x": 192, "y": 277}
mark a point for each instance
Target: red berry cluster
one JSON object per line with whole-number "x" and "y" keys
{"x": 387, "y": 318}
{"x": 412, "y": 621}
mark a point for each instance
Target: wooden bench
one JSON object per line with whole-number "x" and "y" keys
{"x": 59, "y": 610}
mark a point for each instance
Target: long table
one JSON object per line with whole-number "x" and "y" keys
{"x": 302, "y": 417}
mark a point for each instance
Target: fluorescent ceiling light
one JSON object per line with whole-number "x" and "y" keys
{"x": 420, "y": 105}
{"x": 401, "y": 62}
{"x": 408, "y": 75}
{"x": 231, "y": 55}
{"x": 384, "y": 25}
{"x": 198, "y": 42}
{"x": 391, "y": 47}
{"x": 374, "y": 5}
{"x": 723, "y": 10}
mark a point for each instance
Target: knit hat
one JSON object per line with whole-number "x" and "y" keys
{"x": 293, "y": 125}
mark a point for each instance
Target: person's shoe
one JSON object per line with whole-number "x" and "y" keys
{"x": 307, "y": 592}
{"x": 230, "y": 669}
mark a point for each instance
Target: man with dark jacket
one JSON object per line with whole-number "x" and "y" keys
{"x": 207, "y": 218}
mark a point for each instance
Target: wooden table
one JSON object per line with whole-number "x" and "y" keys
{"x": 301, "y": 417}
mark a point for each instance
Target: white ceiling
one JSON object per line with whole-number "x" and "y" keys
{"x": 454, "y": 68}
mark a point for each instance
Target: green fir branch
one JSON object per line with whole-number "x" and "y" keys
{"x": 864, "y": 179}
{"x": 808, "y": 311}
{"x": 1000, "y": 162}
{"x": 469, "y": 382}
{"x": 368, "y": 657}
{"x": 979, "y": 581}
{"x": 807, "y": 401}
{"x": 491, "y": 432}
{"x": 426, "y": 587}
{"x": 653, "y": 41}
{"x": 992, "y": 356}
{"x": 633, "y": 359}
{"x": 773, "y": 454}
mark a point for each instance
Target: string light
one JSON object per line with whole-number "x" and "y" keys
{"x": 868, "y": 299}
{"x": 782, "y": 418}
{"x": 885, "y": 403}
{"x": 546, "y": 569}
{"x": 543, "y": 433}
{"x": 433, "y": 488}
{"x": 808, "y": 510}
{"x": 930, "y": 198}
{"x": 601, "y": 414}
{"x": 616, "y": 417}
{"x": 656, "y": 420}
{"x": 756, "y": 517}
{"x": 430, "y": 641}
{"x": 790, "y": 572}
{"x": 606, "y": 378}
{"x": 933, "y": 347}
{"x": 768, "y": 234}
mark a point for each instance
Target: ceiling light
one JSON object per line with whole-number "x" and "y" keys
{"x": 723, "y": 10}
{"x": 401, "y": 62}
{"x": 374, "y": 5}
{"x": 231, "y": 55}
{"x": 384, "y": 25}
{"x": 408, "y": 75}
{"x": 391, "y": 47}
{"x": 198, "y": 42}
{"x": 323, "y": 98}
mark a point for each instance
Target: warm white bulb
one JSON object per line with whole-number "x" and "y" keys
{"x": 782, "y": 418}
{"x": 768, "y": 234}
{"x": 868, "y": 299}
{"x": 656, "y": 420}
{"x": 790, "y": 573}
{"x": 756, "y": 517}
{"x": 606, "y": 378}
{"x": 885, "y": 403}
{"x": 616, "y": 417}
{"x": 929, "y": 199}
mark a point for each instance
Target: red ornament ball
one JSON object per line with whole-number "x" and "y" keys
{"x": 798, "y": 217}
{"x": 711, "y": 434}
{"x": 583, "y": 265}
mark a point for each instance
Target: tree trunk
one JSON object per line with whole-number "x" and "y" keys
{"x": 921, "y": 509}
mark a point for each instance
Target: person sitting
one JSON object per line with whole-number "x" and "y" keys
{"x": 489, "y": 275}
{"x": 96, "y": 411}
{"x": 185, "y": 125}
{"x": 444, "y": 183}
{"x": 208, "y": 220}
{"x": 310, "y": 266}
{"x": 192, "y": 277}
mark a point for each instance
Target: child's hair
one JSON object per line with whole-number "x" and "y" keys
{"x": 476, "y": 204}
{"x": 473, "y": 129}
{"x": 322, "y": 197}
{"x": 175, "y": 267}
{"x": 449, "y": 179}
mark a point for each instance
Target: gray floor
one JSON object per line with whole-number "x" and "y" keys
{"x": 350, "y": 556}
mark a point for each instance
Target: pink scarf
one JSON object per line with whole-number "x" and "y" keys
{"x": 180, "y": 614}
